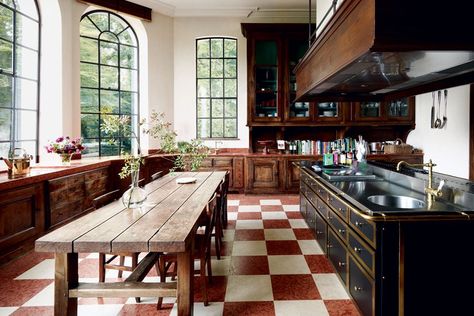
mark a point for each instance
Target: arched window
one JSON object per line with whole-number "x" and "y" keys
{"x": 19, "y": 75}
{"x": 109, "y": 81}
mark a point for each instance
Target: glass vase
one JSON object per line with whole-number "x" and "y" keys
{"x": 66, "y": 159}
{"x": 135, "y": 196}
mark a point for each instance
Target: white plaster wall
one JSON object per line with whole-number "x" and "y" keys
{"x": 186, "y": 30}
{"x": 447, "y": 147}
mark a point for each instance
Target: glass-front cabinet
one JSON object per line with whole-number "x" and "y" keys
{"x": 297, "y": 110}
{"x": 328, "y": 111}
{"x": 391, "y": 110}
{"x": 266, "y": 79}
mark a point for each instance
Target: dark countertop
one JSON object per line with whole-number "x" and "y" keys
{"x": 356, "y": 193}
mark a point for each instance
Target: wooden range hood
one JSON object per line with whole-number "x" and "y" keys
{"x": 384, "y": 49}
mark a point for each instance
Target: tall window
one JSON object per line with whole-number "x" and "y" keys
{"x": 216, "y": 82}
{"x": 19, "y": 75}
{"x": 109, "y": 81}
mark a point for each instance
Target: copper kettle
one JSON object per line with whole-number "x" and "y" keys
{"x": 18, "y": 163}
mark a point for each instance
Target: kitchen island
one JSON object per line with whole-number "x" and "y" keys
{"x": 394, "y": 259}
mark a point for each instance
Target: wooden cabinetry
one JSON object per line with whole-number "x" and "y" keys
{"x": 72, "y": 195}
{"x": 385, "y": 112}
{"x": 263, "y": 175}
{"x": 235, "y": 166}
{"x": 21, "y": 219}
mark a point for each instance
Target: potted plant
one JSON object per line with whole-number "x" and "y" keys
{"x": 65, "y": 147}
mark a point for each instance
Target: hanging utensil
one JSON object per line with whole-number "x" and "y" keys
{"x": 445, "y": 116}
{"x": 438, "y": 117}
{"x": 433, "y": 110}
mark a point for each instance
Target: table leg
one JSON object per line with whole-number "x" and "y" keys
{"x": 65, "y": 277}
{"x": 185, "y": 283}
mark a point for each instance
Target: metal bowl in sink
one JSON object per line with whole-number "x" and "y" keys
{"x": 396, "y": 201}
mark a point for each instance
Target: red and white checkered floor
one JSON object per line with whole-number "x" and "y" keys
{"x": 271, "y": 265}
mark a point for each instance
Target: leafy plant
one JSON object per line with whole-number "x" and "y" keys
{"x": 191, "y": 155}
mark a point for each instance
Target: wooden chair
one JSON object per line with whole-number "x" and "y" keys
{"x": 202, "y": 251}
{"x": 225, "y": 190}
{"x": 104, "y": 262}
{"x": 156, "y": 175}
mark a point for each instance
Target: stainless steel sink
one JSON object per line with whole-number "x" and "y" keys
{"x": 397, "y": 201}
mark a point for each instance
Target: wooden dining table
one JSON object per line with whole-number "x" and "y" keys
{"x": 167, "y": 222}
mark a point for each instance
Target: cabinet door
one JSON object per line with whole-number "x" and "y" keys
{"x": 265, "y": 83}
{"x": 263, "y": 175}
{"x": 22, "y": 219}
{"x": 292, "y": 175}
{"x": 328, "y": 112}
{"x": 362, "y": 288}
{"x": 337, "y": 253}
{"x": 368, "y": 111}
{"x": 401, "y": 109}
{"x": 238, "y": 174}
{"x": 321, "y": 229}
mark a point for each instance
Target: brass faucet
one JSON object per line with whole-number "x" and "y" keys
{"x": 431, "y": 193}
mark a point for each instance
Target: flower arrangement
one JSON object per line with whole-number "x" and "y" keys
{"x": 65, "y": 145}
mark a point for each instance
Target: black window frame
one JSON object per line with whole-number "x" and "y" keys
{"x": 223, "y": 98}
{"x": 14, "y": 108}
{"x": 134, "y": 116}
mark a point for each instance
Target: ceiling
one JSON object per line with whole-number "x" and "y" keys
{"x": 237, "y": 8}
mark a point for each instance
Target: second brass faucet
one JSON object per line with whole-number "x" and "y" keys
{"x": 431, "y": 193}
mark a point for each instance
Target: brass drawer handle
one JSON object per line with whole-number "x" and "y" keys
{"x": 359, "y": 224}
{"x": 342, "y": 231}
{"x": 357, "y": 288}
{"x": 341, "y": 264}
{"x": 318, "y": 232}
{"x": 359, "y": 250}
{"x": 329, "y": 245}
{"x": 340, "y": 209}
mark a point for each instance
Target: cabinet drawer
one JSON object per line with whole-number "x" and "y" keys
{"x": 222, "y": 162}
{"x": 337, "y": 253}
{"x": 321, "y": 191}
{"x": 322, "y": 208}
{"x": 311, "y": 216}
{"x": 361, "y": 288}
{"x": 363, "y": 226}
{"x": 311, "y": 196}
{"x": 96, "y": 174}
{"x": 338, "y": 206}
{"x": 303, "y": 205}
{"x": 338, "y": 225}
{"x": 65, "y": 212}
{"x": 363, "y": 252}
{"x": 321, "y": 232}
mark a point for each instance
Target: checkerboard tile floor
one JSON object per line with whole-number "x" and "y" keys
{"x": 271, "y": 265}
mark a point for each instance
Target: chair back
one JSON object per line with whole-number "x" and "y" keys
{"x": 106, "y": 198}
{"x": 156, "y": 175}
{"x": 211, "y": 211}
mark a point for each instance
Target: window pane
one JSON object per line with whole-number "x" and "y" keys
{"x": 217, "y": 68}
{"x": 217, "y": 108}
{"x": 4, "y": 148}
{"x": 29, "y": 146}
{"x": 108, "y": 77}
{"x": 127, "y": 127}
{"x": 27, "y": 62}
{"x": 5, "y": 123}
{"x": 92, "y": 147}
{"x": 127, "y": 37}
{"x": 204, "y": 108}
{"x": 126, "y": 145}
{"x": 230, "y": 48}
{"x": 216, "y": 48}
{"x": 129, "y": 80}
{"x": 203, "y": 48}
{"x": 26, "y": 94}
{"x": 109, "y": 37}
{"x": 230, "y": 87}
{"x": 230, "y": 108}
{"x": 108, "y": 53}
{"x": 89, "y": 75}
{"x": 26, "y": 32}
{"x": 109, "y": 148}
{"x": 203, "y": 68}
{"x": 128, "y": 56}
{"x": 89, "y": 100}
{"x": 216, "y": 88}
{"x": 105, "y": 118}
{"x": 25, "y": 125}
{"x": 6, "y": 91}
{"x": 230, "y": 68}
{"x": 8, "y": 3}
{"x": 109, "y": 101}
{"x": 230, "y": 128}
{"x": 101, "y": 20}
{"x": 204, "y": 88}
{"x": 129, "y": 102}
{"x": 117, "y": 25}
{"x": 90, "y": 125}
{"x": 89, "y": 50}
{"x": 28, "y": 7}
{"x": 88, "y": 28}
{"x": 6, "y": 56}
{"x": 204, "y": 128}
{"x": 217, "y": 128}
{"x": 6, "y": 23}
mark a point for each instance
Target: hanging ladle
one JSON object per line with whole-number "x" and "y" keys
{"x": 438, "y": 120}
{"x": 445, "y": 118}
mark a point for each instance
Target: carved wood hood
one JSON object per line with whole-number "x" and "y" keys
{"x": 381, "y": 49}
